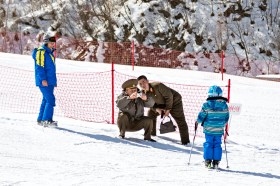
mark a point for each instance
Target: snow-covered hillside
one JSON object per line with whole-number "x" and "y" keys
{"x": 86, "y": 153}
{"x": 248, "y": 31}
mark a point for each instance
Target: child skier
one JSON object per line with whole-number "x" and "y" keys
{"x": 213, "y": 117}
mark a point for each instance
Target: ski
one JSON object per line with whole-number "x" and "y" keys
{"x": 216, "y": 169}
{"x": 209, "y": 166}
{"x": 212, "y": 169}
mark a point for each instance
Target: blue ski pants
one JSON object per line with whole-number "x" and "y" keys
{"x": 212, "y": 147}
{"x": 48, "y": 103}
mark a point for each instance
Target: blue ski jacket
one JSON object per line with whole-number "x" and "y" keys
{"x": 214, "y": 115}
{"x": 44, "y": 65}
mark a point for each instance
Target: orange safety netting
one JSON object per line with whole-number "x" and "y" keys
{"x": 87, "y": 96}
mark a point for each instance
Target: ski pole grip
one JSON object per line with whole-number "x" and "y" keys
{"x": 226, "y": 130}
{"x": 195, "y": 125}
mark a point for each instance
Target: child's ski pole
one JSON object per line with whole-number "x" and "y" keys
{"x": 226, "y": 134}
{"x": 195, "y": 128}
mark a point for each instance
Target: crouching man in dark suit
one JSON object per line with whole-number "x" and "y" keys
{"x": 131, "y": 115}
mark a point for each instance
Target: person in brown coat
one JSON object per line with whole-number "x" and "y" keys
{"x": 167, "y": 100}
{"x": 131, "y": 115}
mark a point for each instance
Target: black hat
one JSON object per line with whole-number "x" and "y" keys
{"x": 131, "y": 83}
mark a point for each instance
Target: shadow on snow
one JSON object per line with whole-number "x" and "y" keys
{"x": 131, "y": 141}
{"x": 265, "y": 175}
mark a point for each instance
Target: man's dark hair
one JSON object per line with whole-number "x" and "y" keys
{"x": 142, "y": 77}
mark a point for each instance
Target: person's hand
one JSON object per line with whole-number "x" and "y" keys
{"x": 133, "y": 95}
{"x": 144, "y": 97}
{"x": 158, "y": 110}
{"x": 166, "y": 113}
{"x": 195, "y": 125}
{"x": 45, "y": 83}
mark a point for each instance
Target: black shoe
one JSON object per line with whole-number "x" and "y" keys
{"x": 39, "y": 122}
{"x": 185, "y": 141}
{"x": 121, "y": 136}
{"x": 153, "y": 133}
{"x": 151, "y": 140}
{"x": 216, "y": 164}
{"x": 208, "y": 163}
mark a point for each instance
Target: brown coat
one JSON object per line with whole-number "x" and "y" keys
{"x": 164, "y": 96}
{"x": 168, "y": 99}
{"x": 134, "y": 108}
{"x": 131, "y": 116}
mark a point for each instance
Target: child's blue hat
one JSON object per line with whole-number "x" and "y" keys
{"x": 215, "y": 91}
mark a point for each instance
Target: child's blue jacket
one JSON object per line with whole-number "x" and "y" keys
{"x": 214, "y": 115}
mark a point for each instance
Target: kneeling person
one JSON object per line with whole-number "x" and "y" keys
{"x": 131, "y": 116}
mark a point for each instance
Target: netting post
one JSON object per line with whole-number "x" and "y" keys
{"x": 132, "y": 54}
{"x": 226, "y": 127}
{"x": 55, "y": 45}
{"x": 222, "y": 68}
{"x": 113, "y": 98}
{"x": 228, "y": 90}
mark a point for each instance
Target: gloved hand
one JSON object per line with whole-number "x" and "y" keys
{"x": 226, "y": 130}
{"x": 195, "y": 125}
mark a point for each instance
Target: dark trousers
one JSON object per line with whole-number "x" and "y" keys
{"x": 177, "y": 112}
{"x": 48, "y": 103}
{"x": 126, "y": 123}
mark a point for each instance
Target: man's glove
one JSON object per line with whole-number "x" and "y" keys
{"x": 195, "y": 125}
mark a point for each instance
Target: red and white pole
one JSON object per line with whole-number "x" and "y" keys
{"x": 222, "y": 68}
{"x": 226, "y": 127}
{"x": 113, "y": 97}
{"x": 132, "y": 54}
{"x": 229, "y": 86}
{"x": 56, "y": 37}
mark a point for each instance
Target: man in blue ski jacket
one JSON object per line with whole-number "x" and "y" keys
{"x": 213, "y": 117}
{"x": 45, "y": 77}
